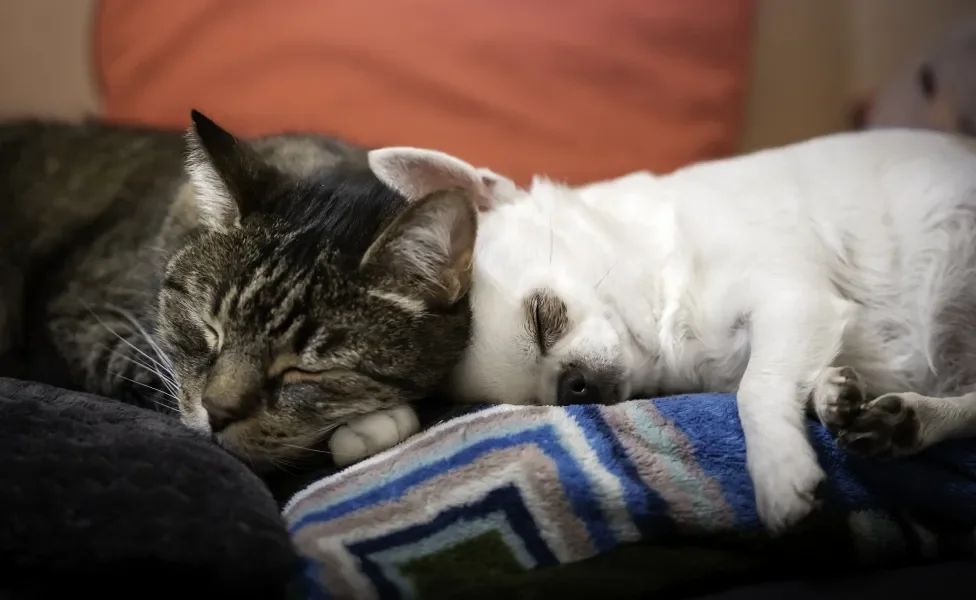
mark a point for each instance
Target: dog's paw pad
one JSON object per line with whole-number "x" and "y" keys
{"x": 887, "y": 426}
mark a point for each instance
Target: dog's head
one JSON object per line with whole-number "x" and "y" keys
{"x": 544, "y": 331}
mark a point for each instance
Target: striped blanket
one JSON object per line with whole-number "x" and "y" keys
{"x": 497, "y": 498}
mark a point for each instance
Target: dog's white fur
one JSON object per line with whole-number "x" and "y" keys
{"x": 764, "y": 274}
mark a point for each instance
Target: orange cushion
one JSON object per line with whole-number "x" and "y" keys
{"x": 576, "y": 89}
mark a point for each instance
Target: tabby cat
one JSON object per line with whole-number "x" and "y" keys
{"x": 266, "y": 290}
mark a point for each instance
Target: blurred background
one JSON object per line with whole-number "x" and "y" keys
{"x": 575, "y": 89}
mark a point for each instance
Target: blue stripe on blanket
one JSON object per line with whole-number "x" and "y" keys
{"x": 719, "y": 448}
{"x": 545, "y": 437}
{"x": 449, "y": 449}
{"x": 645, "y": 505}
{"x": 843, "y": 488}
{"x": 505, "y": 499}
{"x": 711, "y": 423}
{"x": 310, "y": 576}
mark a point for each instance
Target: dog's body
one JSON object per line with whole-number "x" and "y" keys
{"x": 662, "y": 277}
{"x": 837, "y": 274}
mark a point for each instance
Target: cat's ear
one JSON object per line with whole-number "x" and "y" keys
{"x": 224, "y": 172}
{"x": 416, "y": 173}
{"x": 428, "y": 248}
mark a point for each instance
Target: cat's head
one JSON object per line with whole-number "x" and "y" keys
{"x": 303, "y": 301}
{"x": 542, "y": 330}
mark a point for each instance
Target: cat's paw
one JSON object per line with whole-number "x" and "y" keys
{"x": 786, "y": 484}
{"x": 371, "y": 434}
{"x": 885, "y": 427}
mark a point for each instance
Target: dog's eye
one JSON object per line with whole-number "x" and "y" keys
{"x": 548, "y": 318}
{"x": 540, "y": 329}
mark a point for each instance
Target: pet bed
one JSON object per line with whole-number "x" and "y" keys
{"x": 99, "y": 496}
{"x": 588, "y": 501}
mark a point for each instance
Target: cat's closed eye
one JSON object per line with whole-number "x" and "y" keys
{"x": 297, "y": 374}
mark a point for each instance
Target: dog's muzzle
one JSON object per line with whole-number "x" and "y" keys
{"x": 579, "y": 385}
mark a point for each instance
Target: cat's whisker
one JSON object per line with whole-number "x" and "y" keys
{"x": 145, "y": 385}
{"x": 165, "y": 378}
{"x": 163, "y": 366}
{"x": 163, "y": 360}
{"x": 145, "y": 335}
{"x": 120, "y": 337}
{"x": 281, "y": 466}
{"x": 331, "y": 426}
{"x": 168, "y": 407}
{"x": 283, "y": 460}
{"x": 169, "y": 383}
{"x": 318, "y": 433}
{"x": 305, "y": 449}
{"x": 306, "y": 441}
{"x": 171, "y": 388}
{"x": 277, "y": 460}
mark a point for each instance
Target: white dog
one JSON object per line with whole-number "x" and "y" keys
{"x": 837, "y": 274}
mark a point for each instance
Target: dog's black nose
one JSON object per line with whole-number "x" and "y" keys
{"x": 577, "y": 386}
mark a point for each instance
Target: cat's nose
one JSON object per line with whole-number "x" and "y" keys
{"x": 222, "y": 415}
{"x": 578, "y": 385}
{"x": 233, "y": 391}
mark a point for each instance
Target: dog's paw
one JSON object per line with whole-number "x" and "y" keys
{"x": 371, "y": 434}
{"x": 786, "y": 486}
{"x": 885, "y": 427}
{"x": 838, "y": 396}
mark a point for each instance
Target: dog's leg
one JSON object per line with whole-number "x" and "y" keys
{"x": 889, "y": 425}
{"x": 836, "y": 397}
{"x": 795, "y": 337}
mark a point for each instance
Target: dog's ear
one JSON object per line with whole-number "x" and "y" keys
{"x": 417, "y": 173}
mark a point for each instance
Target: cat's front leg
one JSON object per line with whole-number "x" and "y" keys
{"x": 794, "y": 337}
{"x": 372, "y": 433}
